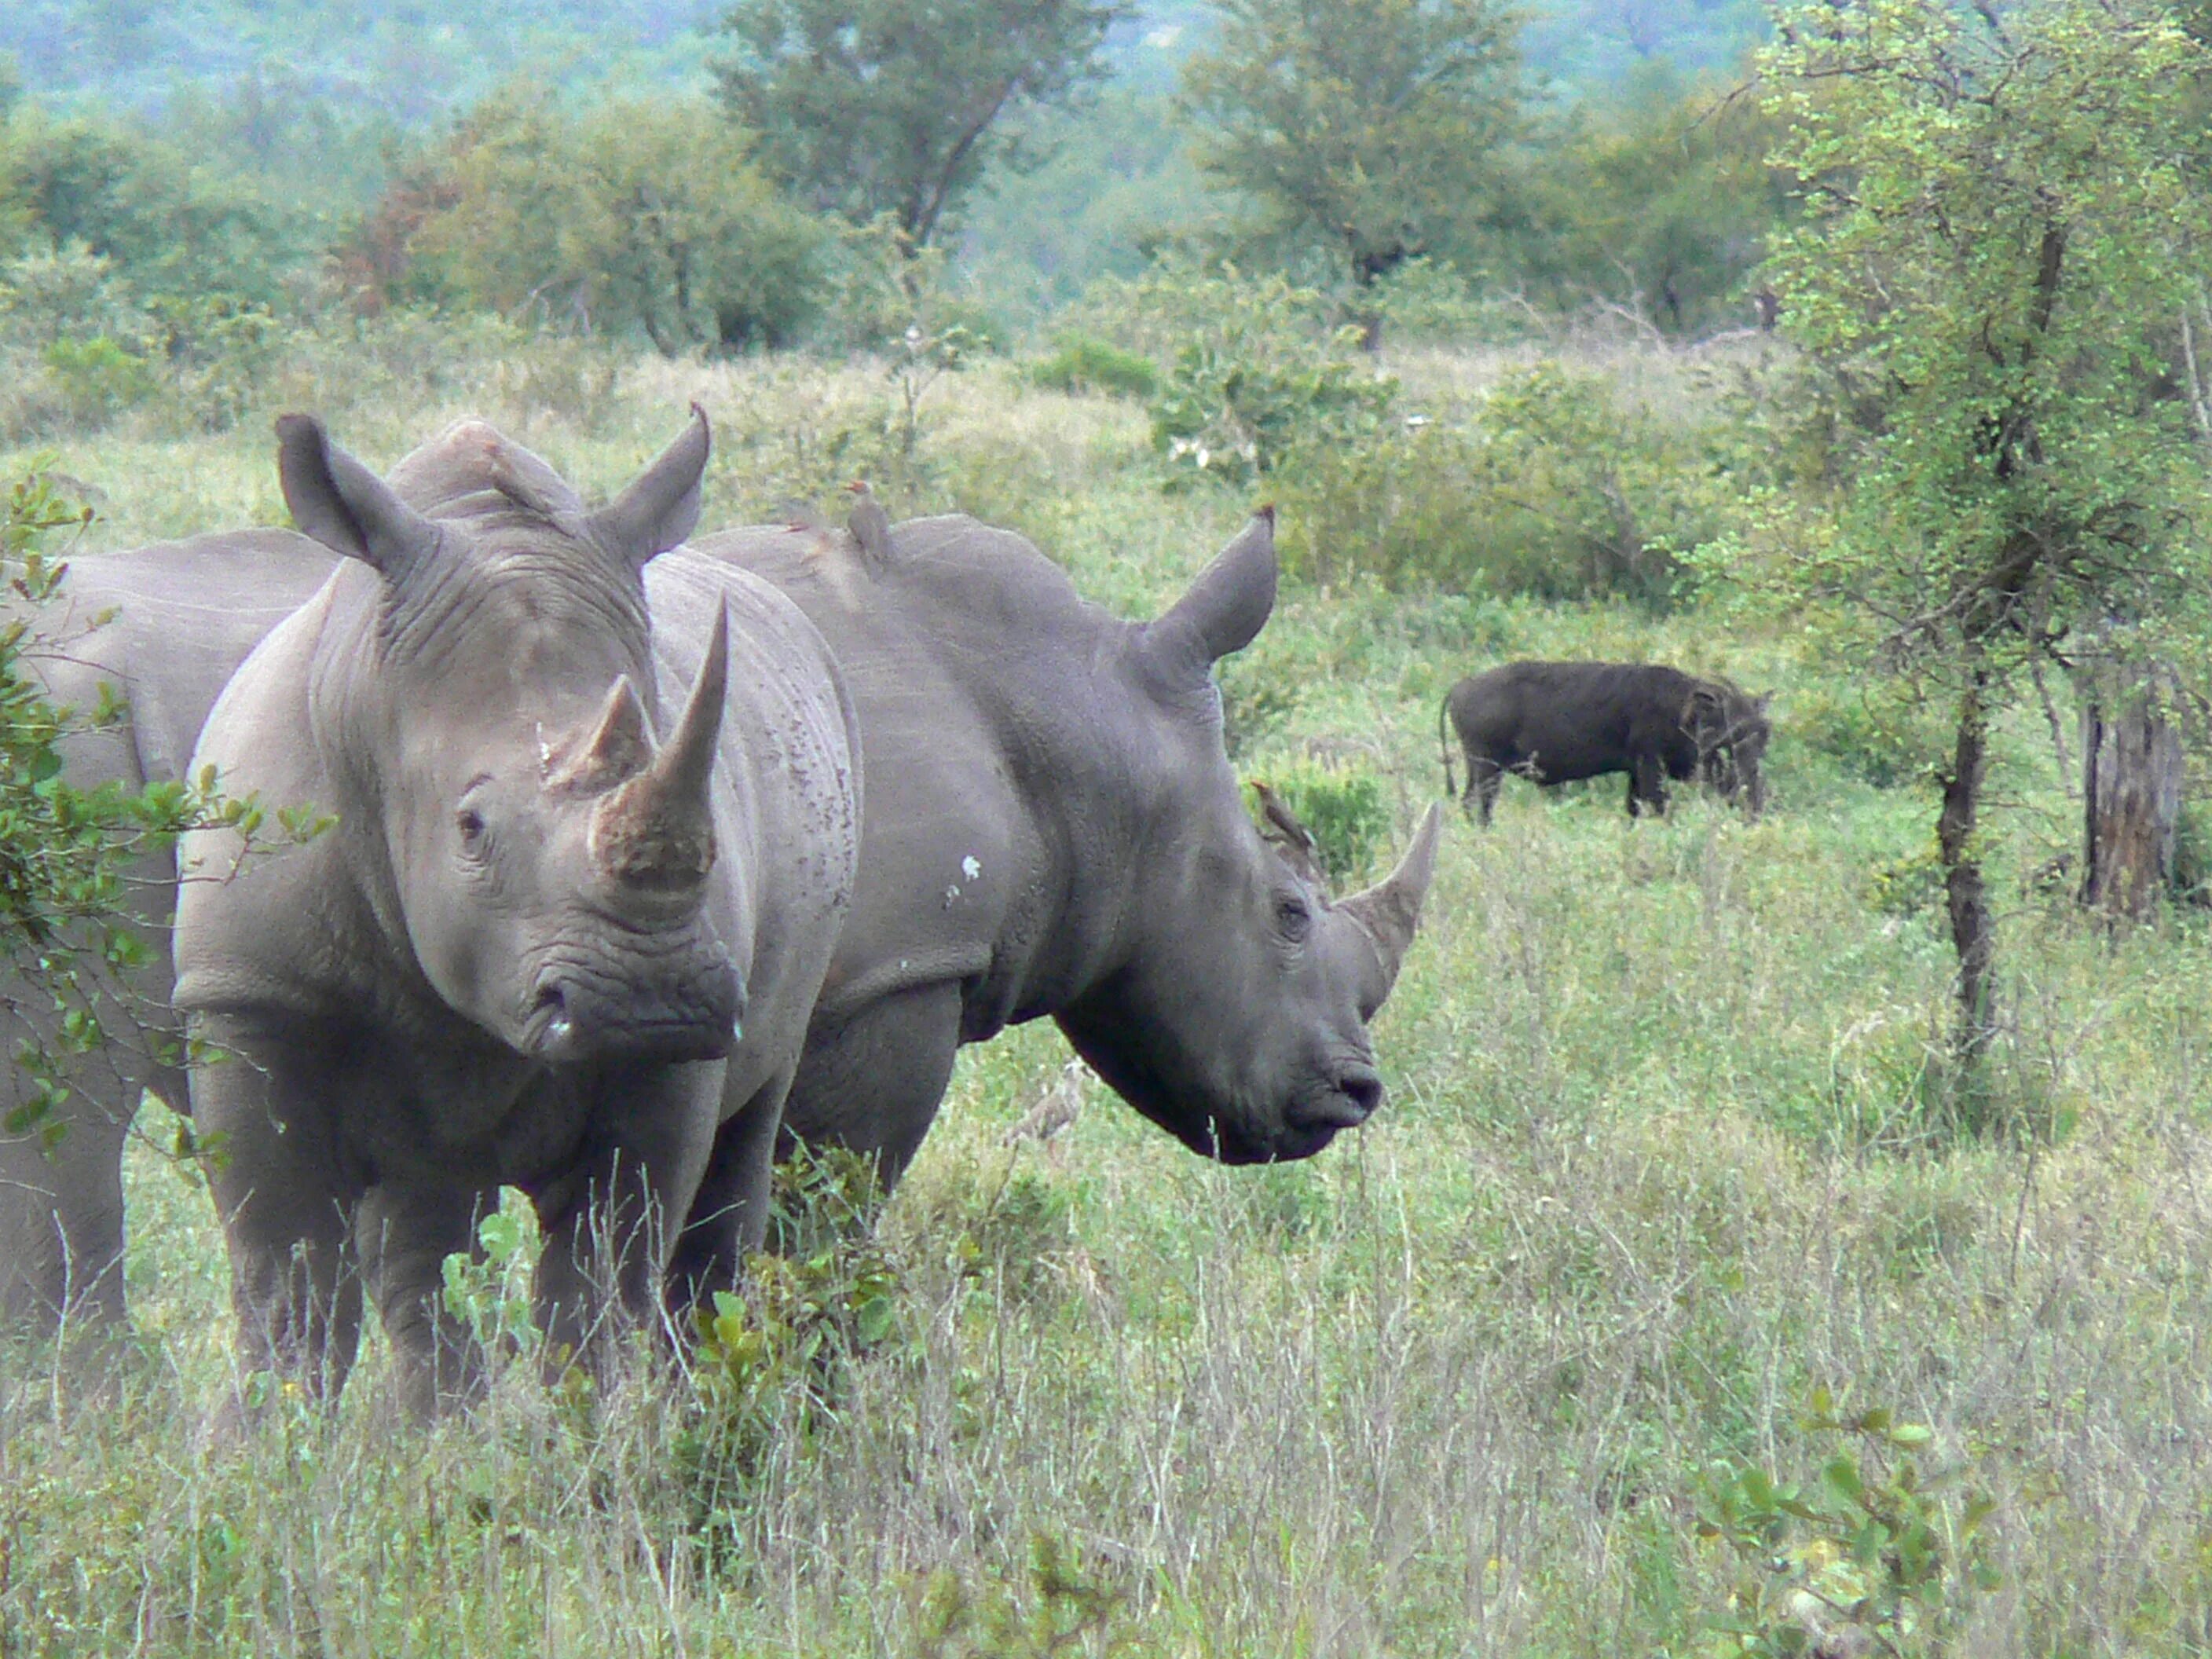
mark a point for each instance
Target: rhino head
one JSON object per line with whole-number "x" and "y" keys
{"x": 548, "y": 858}
{"x": 1236, "y": 1016}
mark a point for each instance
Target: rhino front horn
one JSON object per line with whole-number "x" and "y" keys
{"x": 657, "y": 831}
{"x": 1389, "y": 913}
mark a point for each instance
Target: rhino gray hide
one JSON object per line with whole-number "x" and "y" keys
{"x": 1052, "y": 827}
{"x": 163, "y": 627}
{"x": 523, "y": 955}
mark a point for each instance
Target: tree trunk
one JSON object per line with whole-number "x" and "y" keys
{"x": 2131, "y": 777}
{"x": 1972, "y": 934}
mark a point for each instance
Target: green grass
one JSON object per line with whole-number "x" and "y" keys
{"x": 1664, "y": 1151}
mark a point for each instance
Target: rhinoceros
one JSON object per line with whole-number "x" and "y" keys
{"x": 1053, "y": 828}
{"x": 1558, "y": 721}
{"x": 168, "y": 624}
{"x": 541, "y": 947}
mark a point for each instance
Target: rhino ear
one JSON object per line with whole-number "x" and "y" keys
{"x": 344, "y": 505}
{"x": 661, "y": 507}
{"x": 1227, "y": 606}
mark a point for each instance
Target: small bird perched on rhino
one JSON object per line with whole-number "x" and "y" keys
{"x": 1291, "y": 838}
{"x": 870, "y": 525}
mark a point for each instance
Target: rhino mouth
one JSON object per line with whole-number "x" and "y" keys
{"x": 577, "y": 1015}
{"x": 1343, "y": 1095}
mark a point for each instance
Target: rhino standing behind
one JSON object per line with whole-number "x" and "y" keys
{"x": 523, "y": 954}
{"x": 1558, "y": 721}
{"x": 167, "y": 624}
{"x": 1052, "y": 827}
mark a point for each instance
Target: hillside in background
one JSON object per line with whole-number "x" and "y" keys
{"x": 413, "y": 61}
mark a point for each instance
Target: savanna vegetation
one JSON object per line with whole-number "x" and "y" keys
{"x": 1781, "y": 1237}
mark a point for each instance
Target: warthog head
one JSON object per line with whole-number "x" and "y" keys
{"x": 1236, "y": 1018}
{"x": 547, "y": 857}
{"x": 1731, "y": 731}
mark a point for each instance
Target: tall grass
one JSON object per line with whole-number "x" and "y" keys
{"x": 1662, "y": 1157}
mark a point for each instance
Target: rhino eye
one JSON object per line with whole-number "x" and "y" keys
{"x": 1293, "y": 920}
{"x": 470, "y": 824}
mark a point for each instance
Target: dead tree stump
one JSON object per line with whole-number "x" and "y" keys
{"x": 2131, "y": 779}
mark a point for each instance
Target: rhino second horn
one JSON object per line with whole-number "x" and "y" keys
{"x": 657, "y": 831}
{"x": 1389, "y": 913}
{"x": 619, "y": 747}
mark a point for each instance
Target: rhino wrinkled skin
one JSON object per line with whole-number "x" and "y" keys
{"x": 1053, "y": 828}
{"x": 598, "y": 817}
{"x": 167, "y": 624}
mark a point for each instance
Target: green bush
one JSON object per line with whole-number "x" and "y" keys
{"x": 1238, "y": 414}
{"x": 97, "y": 379}
{"x": 63, "y": 850}
{"x": 1553, "y": 486}
{"x": 1084, "y": 364}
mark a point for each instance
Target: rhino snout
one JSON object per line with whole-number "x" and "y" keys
{"x": 575, "y": 1015}
{"x": 1356, "y": 1094}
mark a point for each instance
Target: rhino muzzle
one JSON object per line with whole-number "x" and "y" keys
{"x": 576, "y": 1015}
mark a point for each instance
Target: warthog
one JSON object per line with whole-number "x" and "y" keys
{"x": 1053, "y": 828}
{"x": 543, "y": 946}
{"x": 1557, "y": 722}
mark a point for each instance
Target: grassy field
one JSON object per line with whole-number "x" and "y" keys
{"x": 1664, "y": 1170}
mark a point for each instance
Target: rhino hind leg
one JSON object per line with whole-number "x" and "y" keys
{"x": 61, "y": 1222}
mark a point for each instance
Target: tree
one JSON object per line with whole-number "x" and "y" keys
{"x": 2000, "y": 215}
{"x": 1374, "y": 126}
{"x": 639, "y": 214}
{"x": 1660, "y": 199}
{"x": 897, "y": 107}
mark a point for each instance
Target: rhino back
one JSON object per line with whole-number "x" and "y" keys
{"x": 170, "y": 623}
{"x": 971, "y": 658}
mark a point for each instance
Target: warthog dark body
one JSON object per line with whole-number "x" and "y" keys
{"x": 1053, "y": 828}
{"x": 523, "y": 955}
{"x": 1555, "y": 722}
{"x": 163, "y": 627}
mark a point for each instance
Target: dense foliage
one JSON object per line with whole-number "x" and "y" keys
{"x": 1377, "y": 125}
{"x": 897, "y": 108}
{"x": 2005, "y": 217}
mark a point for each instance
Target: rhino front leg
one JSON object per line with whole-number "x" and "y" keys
{"x": 404, "y": 1234}
{"x": 285, "y": 1203}
{"x": 729, "y": 1214}
{"x": 609, "y": 1223}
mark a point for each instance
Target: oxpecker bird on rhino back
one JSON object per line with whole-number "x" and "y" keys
{"x": 1053, "y": 828}
{"x": 1554, "y": 722}
{"x": 596, "y": 827}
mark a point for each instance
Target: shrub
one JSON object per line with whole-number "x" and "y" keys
{"x": 96, "y": 379}
{"x": 1084, "y": 364}
{"x": 1553, "y": 486}
{"x": 1872, "y": 1555}
{"x": 640, "y": 217}
{"x": 1236, "y": 413}
{"x": 63, "y": 850}
{"x": 772, "y": 1362}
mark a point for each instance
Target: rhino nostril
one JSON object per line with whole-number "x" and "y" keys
{"x": 551, "y": 1007}
{"x": 1364, "y": 1091}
